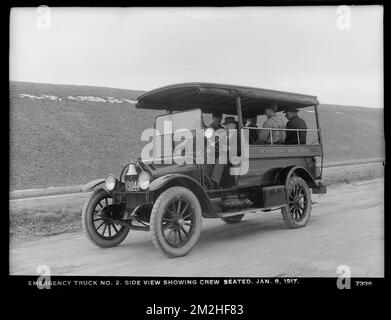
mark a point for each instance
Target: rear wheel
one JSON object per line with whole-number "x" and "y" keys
{"x": 233, "y": 219}
{"x": 97, "y": 218}
{"x": 298, "y": 210}
{"x": 175, "y": 223}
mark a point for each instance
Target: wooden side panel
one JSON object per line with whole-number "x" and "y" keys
{"x": 266, "y": 161}
{"x": 268, "y": 151}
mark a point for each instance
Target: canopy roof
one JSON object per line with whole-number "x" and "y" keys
{"x": 211, "y": 97}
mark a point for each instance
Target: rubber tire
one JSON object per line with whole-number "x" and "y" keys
{"x": 157, "y": 213}
{"x": 286, "y": 215}
{"x": 233, "y": 219}
{"x": 88, "y": 224}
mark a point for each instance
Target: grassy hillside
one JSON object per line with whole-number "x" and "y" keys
{"x": 78, "y": 133}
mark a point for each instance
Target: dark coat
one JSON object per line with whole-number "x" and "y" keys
{"x": 291, "y": 136}
{"x": 253, "y": 134}
{"x": 217, "y": 142}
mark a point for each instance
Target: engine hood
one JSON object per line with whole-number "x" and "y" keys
{"x": 159, "y": 170}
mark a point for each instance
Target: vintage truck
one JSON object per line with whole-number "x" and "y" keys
{"x": 170, "y": 199}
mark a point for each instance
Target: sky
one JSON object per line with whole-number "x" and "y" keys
{"x": 334, "y": 53}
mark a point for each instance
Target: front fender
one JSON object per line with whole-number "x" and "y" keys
{"x": 90, "y": 186}
{"x": 160, "y": 184}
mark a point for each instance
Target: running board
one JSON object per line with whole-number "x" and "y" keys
{"x": 236, "y": 213}
{"x": 130, "y": 225}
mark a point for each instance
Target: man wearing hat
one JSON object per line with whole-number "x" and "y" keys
{"x": 231, "y": 123}
{"x": 217, "y": 117}
{"x": 218, "y": 169}
{"x": 253, "y": 133}
{"x": 295, "y": 122}
{"x": 214, "y": 172}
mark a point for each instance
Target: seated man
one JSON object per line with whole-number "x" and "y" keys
{"x": 272, "y": 122}
{"x": 214, "y": 172}
{"x": 253, "y": 133}
{"x": 217, "y": 117}
{"x": 231, "y": 123}
{"x": 218, "y": 168}
{"x": 295, "y": 122}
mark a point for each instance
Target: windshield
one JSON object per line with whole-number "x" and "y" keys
{"x": 188, "y": 120}
{"x": 170, "y": 126}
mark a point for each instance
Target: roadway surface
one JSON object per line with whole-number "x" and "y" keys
{"x": 346, "y": 228}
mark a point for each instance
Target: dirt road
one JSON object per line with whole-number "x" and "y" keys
{"x": 346, "y": 228}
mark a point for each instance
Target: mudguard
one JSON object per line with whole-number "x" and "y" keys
{"x": 90, "y": 186}
{"x": 284, "y": 176}
{"x": 160, "y": 184}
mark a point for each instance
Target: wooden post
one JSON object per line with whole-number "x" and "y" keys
{"x": 319, "y": 137}
{"x": 240, "y": 117}
{"x": 317, "y": 125}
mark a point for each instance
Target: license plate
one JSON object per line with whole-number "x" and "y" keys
{"x": 131, "y": 184}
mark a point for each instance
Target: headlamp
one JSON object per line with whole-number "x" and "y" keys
{"x": 111, "y": 182}
{"x": 144, "y": 180}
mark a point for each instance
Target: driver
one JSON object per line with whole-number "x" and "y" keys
{"x": 218, "y": 169}
{"x": 231, "y": 123}
{"x": 217, "y": 117}
{"x": 214, "y": 172}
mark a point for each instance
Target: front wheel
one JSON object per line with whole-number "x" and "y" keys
{"x": 298, "y": 209}
{"x": 97, "y": 218}
{"x": 175, "y": 223}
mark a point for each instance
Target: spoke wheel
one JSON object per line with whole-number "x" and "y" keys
{"x": 178, "y": 222}
{"x": 175, "y": 223}
{"x": 298, "y": 209}
{"x": 98, "y": 221}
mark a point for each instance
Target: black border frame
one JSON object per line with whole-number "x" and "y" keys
{"x": 137, "y": 297}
